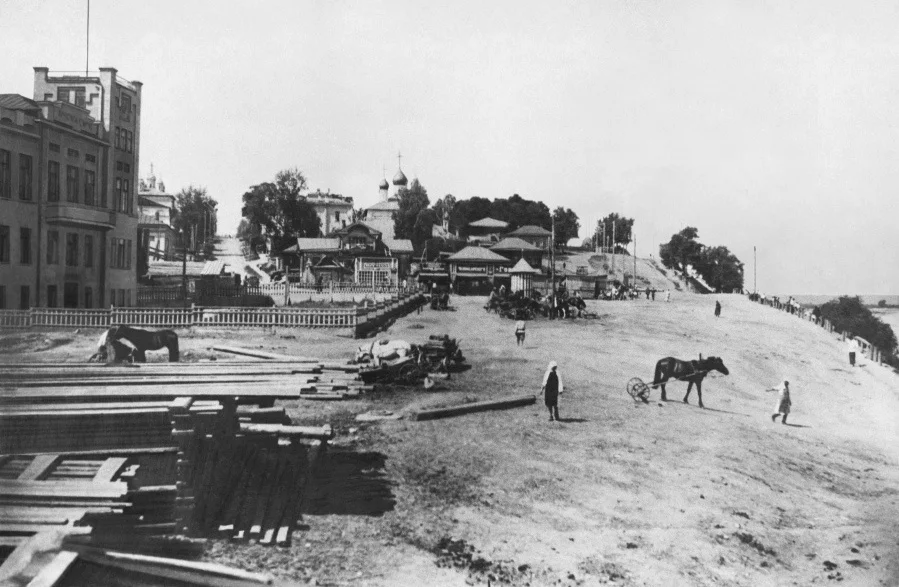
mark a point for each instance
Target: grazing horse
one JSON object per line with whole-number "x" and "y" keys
{"x": 383, "y": 350}
{"x": 124, "y": 343}
{"x": 690, "y": 371}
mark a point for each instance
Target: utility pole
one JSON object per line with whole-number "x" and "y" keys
{"x": 552, "y": 266}
{"x": 87, "y": 39}
{"x": 286, "y": 281}
{"x": 184, "y": 267}
{"x": 635, "y": 257}
{"x": 613, "y": 247}
{"x": 755, "y": 264}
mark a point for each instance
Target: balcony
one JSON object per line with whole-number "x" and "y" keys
{"x": 77, "y": 215}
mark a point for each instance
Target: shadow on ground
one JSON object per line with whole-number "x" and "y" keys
{"x": 350, "y": 484}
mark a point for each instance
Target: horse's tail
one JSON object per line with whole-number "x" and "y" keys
{"x": 172, "y": 345}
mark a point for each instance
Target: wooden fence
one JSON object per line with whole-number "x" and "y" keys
{"x": 358, "y": 319}
{"x": 148, "y": 295}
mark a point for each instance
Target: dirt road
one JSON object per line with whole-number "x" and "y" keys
{"x": 616, "y": 493}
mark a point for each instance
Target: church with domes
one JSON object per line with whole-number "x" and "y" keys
{"x": 380, "y": 215}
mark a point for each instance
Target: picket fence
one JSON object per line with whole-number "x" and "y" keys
{"x": 147, "y": 295}
{"x": 356, "y": 318}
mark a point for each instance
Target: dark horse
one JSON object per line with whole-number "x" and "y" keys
{"x": 690, "y": 371}
{"x": 124, "y": 342}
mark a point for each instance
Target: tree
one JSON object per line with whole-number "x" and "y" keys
{"x": 189, "y": 217}
{"x": 683, "y": 249}
{"x": 567, "y": 225}
{"x": 720, "y": 269}
{"x": 614, "y": 227}
{"x": 850, "y": 315}
{"x": 281, "y": 209}
{"x": 412, "y": 201}
{"x": 882, "y": 304}
{"x": 443, "y": 208}
{"x": 467, "y": 211}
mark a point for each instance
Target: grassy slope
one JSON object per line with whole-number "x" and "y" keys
{"x": 645, "y": 495}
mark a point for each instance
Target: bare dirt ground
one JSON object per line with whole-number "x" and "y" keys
{"x": 616, "y": 493}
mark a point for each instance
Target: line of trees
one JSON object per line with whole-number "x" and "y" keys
{"x": 717, "y": 266}
{"x": 849, "y": 314}
{"x": 280, "y": 207}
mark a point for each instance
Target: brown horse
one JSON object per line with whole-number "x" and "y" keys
{"x": 693, "y": 372}
{"x": 126, "y": 343}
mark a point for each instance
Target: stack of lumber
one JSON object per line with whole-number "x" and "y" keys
{"x": 50, "y": 560}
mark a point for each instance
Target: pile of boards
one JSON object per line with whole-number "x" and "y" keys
{"x": 143, "y": 455}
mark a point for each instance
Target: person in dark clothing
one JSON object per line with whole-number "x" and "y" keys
{"x": 717, "y": 308}
{"x": 552, "y": 388}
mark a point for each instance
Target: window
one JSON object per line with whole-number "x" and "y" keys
{"x": 70, "y": 294}
{"x": 52, "y": 181}
{"x": 112, "y": 297}
{"x": 126, "y": 194}
{"x": 103, "y": 190}
{"x": 128, "y": 298}
{"x": 2, "y": 297}
{"x": 73, "y": 153}
{"x": 127, "y": 168}
{"x": 90, "y": 158}
{"x": 72, "y": 183}
{"x": 88, "y": 250}
{"x": 120, "y": 253}
{"x": 79, "y": 97}
{"x": 71, "y": 249}
{"x": 88, "y": 297}
{"x": 24, "y": 297}
{"x": 52, "y": 247}
{"x": 125, "y": 103}
{"x": 122, "y": 298}
{"x": 118, "y": 137}
{"x": 129, "y": 141}
{"x": 5, "y": 174}
{"x": 62, "y": 94}
{"x": 157, "y": 215}
{"x": 25, "y": 167}
{"x": 90, "y": 186}
{"x": 118, "y": 194}
{"x": 51, "y": 296}
{"x": 4, "y": 244}
{"x": 119, "y": 166}
{"x": 24, "y": 245}
{"x": 54, "y": 147}
{"x": 128, "y": 258}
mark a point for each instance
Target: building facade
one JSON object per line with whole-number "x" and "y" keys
{"x": 334, "y": 212}
{"x": 72, "y": 156}
{"x": 156, "y": 209}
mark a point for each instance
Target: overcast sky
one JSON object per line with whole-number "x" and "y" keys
{"x": 768, "y": 124}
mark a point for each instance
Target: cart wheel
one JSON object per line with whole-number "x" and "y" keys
{"x": 638, "y": 390}
{"x": 407, "y": 373}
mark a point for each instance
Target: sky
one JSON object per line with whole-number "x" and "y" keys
{"x": 763, "y": 124}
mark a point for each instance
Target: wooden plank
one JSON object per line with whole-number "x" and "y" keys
{"x": 170, "y": 380}
{"x": 190, "y": 572}
{"x": 318, "y": 432}
{"x": 82, "y": 393}
{"x": 65, "y": 489}
{"x": 52, "y": 574}
{"x": 154, "y": 450}
{"x": 259, "y": 354}
{"x": 38, "y": 468}
{"x": 110, "y": 468}
{"x": 497, "y": 404}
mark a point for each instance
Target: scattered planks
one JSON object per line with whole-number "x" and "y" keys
{"x": 497, "y": 404}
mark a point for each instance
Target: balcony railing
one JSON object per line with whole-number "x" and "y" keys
{"x": 71, "y": 213}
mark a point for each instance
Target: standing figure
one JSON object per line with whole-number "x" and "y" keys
{"x": 667, "y": 295}
{"x": 552, "y": 389}
{"x": 717, "y": 308}
{"x": 783, "y": 401}
{"x": 852, "y": 346}
{"x": 519, "y": 332}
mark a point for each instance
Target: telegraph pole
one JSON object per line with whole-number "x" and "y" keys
{"x": 613, "y": 247}
{"x": 87, "y": 39}
{"x": 755, "y": 264}
{"x": 635, "y": 258}
{"x": 552, "y": 265}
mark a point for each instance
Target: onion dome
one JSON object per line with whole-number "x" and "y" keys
{"x": 400, "y": 178}
{"x": 384, "y": 185}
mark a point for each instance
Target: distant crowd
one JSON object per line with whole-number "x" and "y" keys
{"x": 790, "y": 306}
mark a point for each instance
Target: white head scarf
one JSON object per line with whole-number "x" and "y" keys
{"x": 549, "y": 369}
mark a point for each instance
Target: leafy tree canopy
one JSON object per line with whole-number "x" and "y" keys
{"x": 851, "y": 315}
{"x": 281, "y": 209}
{"x": 191, "y": 205}
{"x": 614, "y": 226}
{"x": 683, "y": 249}
{"x": 517, "y": 211}
{"x": 567, "y": 225}
{"x": 720, "y": 269}
{"x": 406, "y": 224}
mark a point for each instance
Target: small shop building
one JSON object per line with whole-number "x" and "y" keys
{"x": 477, "y": 270}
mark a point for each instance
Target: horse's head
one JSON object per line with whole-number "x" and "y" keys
{"x": 363, "y": 354}
{"x": 716, "y": 364}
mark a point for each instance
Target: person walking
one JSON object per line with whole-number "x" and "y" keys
{"x": 519, "y": 332}
{"x": 852, "y": 346}
{"x": 552, "y": 389}
{"x": 667, "y": 295}
{"x": 717, "y": 308}
{"x": 783, "y": 401}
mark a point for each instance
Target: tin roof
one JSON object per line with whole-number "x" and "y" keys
{"x": 398, "y": 245}
{"x": 478, "y": 254}
{"x": 522, "y": 267}
{"x": 512, "y": 243}
{"x": 312, "y": 245}
{"x": 489, "y": 223}
{"x": 530, "y": 230}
